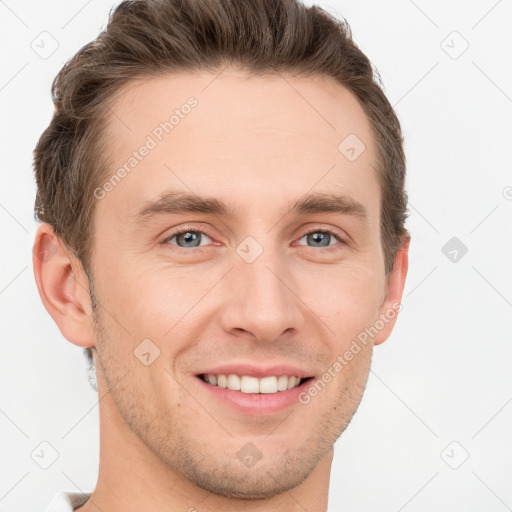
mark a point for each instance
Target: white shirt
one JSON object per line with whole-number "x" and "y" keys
{"x": 67, "y": 501}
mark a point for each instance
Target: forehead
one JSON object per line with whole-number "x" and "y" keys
{"x": 254, "y": 138}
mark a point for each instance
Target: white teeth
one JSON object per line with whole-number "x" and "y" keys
{"x": 233, "y": 382}
{"x": 222, "y": 381}
{"x": 282, "y": 383}
{"x": 268, "y": 385}
{"x": 248, "y": 384}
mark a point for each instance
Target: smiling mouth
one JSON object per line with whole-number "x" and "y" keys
{"x": 254, "y": 385}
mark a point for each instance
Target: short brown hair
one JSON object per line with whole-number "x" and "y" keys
{"x": 151, "y": 38}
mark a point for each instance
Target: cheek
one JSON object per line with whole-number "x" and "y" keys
{"x": 347, "y": 300}
{"x": 169, "y": 306}
{"x": 146, "y": 299}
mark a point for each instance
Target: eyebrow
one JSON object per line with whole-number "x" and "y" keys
{"x": 178, "y": 202}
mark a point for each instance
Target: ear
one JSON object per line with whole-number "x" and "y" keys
{"x": 63, "y": 286}
{"x": 388, "y": 312}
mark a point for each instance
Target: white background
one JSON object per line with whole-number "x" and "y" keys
{"x": 445, "y": 373}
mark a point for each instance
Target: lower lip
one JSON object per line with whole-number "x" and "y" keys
{"x": 255, "y": 404}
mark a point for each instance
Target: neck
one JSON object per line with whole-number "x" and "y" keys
{"x": 133, "y": 478}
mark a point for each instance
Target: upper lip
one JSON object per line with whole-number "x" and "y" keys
{"x": 252, "y": 370}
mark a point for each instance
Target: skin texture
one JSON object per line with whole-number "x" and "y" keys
{"x": 258, "y": 144}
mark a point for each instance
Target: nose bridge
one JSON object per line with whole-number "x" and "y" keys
{"x": 264, "y": 301}
{"x": 265, "y": 281}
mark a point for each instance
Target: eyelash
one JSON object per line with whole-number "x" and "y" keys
{"x": 312, "y": 230}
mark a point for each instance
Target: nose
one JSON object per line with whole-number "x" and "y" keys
{"x": 262, "y": 302}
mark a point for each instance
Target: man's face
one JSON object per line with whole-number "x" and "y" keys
{"x": 258, "y": 285}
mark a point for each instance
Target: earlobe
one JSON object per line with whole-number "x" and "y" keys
{"x": 391, "y": 306}
{"x": 63, "y": 286}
